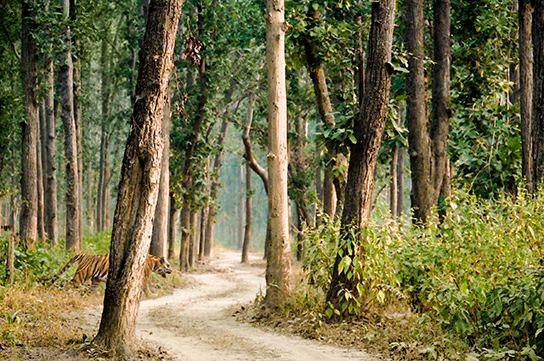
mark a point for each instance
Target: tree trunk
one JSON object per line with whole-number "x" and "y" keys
{"x": 51, "y": 198}
{"x": 394, "y": 187}
{"x": 73, "y": 237}
{"x": 40, "y": 183}
{"x": 188, "y": 172}
{"x": 416, "y": 112}
{"x": 400, "y": 183}
{"x": 249, "y": 206}
{"x": 139, "y": 184}
{"x": 29, "y": 192}
{"x": 441, "y": 104}
{"x": 185, "y": 222}
{"x": 526, "y": 89}
{"x": 193, "y": 238}
{"x": 428, "y": 150}
{"x": 317, "y": 74}
{"x": 278, "y": 266}
{"x": 368, "y": 130}
{"x": 172, "y": 228}
{"x": 537, "y": 128}
{"x": 159, "y": 241}
{"x": 212, "y": 209}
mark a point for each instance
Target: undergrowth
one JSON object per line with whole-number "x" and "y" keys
{"x": 467, "y": 287}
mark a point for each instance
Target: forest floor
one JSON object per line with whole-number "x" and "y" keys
{"x": 199, "y": 323}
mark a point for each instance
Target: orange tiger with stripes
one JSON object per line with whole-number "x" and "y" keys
{"x": 94, "y": 267}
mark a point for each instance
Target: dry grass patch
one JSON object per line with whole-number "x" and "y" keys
{"x": 37, "y": 317}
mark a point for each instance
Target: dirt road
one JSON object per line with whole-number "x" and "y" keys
{"x": 195, "y": 324}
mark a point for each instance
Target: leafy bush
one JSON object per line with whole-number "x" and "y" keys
{"x": 476, "y": 274}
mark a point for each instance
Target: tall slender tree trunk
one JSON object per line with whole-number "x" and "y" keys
{"x": 172, "y": 228}
{"x": 159, "y": 240}
{"x": 255, "y": 166}
{"x": 139, "y": 184}
{"x": 368, "y": 129}
{"x": 214, "y": 188}
{"x": 196, "y": 128}
{"x": 29, "y": 182}
{"x": 428, "y": 150}
{"x": 416, "y": 111}
{"x": 441, "y": 103}
{"x": 40, "y": 183}
{"x": 278, "y": 265}
{"x": 400, "y": 183}
{"x": 249, "y": 206}
{"x": 537, "y": 127}
{"x": 526, "y": 89}
{"x": 73, "y": 236}
{"x": 394, "y": 187}
{"x": 51, "y": 197}
{"x": 78, "y": 115}
{"x": 185, "y": 222}
{"x": 193, "y": 238}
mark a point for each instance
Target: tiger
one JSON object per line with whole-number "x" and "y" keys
{"x": 94, "y": 267}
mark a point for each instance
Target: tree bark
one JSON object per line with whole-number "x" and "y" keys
{"x": 185, "y": 222}
{"x": 400, "y": 183}
{"x": 278, "y": 266}
{"x": 537, "y": 127}
{"x": 428, "y": 148}
{"x": 368, "y": 130}
{"x": 394, "y": 186}
{"x": 441, "y": 103}
{"x": 73, "y": 236}
{"x": 249, "y": 206}
{"x": 39, "y": 168}
{"x": 29, "y": 193}
{"x": 139, "y": 184}
{"x": 172, "y": 228}
{"x": 51, "y": 197}
{"x": 159, "y": 240}
{"x": 416, "y": 112}
{"x": 526, "y": 89}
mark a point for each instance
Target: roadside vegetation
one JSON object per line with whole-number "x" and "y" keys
{"x": 469, "y": 286}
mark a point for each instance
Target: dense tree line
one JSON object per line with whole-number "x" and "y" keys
{"x": 329, "y": 103}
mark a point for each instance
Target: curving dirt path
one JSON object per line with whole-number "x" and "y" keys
{"x": 195, "y": 324}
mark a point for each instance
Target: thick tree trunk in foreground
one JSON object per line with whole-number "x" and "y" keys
{"x": 139, "y": 184}
{"x": 368, "y": 129}
{"x": 278, "y": 265}
{"x": 159, "y": 241}
{"x": 526, "y": 89}
{"x": 28, "y": 227}
{"x": 73, "y": 236}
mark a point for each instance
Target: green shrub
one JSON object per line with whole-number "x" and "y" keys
{"x": 477, "y": 273}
